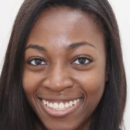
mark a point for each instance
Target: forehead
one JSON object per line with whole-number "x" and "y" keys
{"x": 64, "y": 25}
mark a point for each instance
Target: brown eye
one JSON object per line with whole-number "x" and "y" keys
{"x": 82, "y": 61}
{"x": 36, "y": 62}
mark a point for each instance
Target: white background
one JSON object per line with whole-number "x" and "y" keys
{"x": 9, "y": 9}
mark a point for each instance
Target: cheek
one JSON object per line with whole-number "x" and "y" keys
{"x": 94, "y": 90}
{"x": 31, "y": 83}
{"x": 93, "y": 84}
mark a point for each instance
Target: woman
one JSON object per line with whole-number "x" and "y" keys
{"x": 63, "y": 68}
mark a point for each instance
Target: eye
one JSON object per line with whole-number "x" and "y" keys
{"x": 82, "y": 61}
{"x": 36, "y": 62}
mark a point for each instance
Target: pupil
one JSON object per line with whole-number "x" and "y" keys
{"x": 82, "y": 60}
{"x": 38, "y": 62}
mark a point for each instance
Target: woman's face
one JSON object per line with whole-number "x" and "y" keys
{"x": 65, "y": 68}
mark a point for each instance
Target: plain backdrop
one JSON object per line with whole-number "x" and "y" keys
{"x": 8, "y": 12}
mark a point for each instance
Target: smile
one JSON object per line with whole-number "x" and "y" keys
{"x": 60, "y": 108}
{"x": 61, "y": 105}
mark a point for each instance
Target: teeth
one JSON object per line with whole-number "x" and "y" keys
{"x": 66, "y": 105}
{"x": 55, "y": 105}
{"x": 45, "y": 102}
{"x": 60, "y": 106}
{"x": 75, "y": 101}
{"x": 70, "y": 103}
{"x": 51, "y": 105}
{"x": 48, "y": 104}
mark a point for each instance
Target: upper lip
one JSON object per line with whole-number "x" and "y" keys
{"x": 59, "y": 98}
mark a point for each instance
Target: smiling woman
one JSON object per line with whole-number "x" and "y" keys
{"x": 63, "y": 68}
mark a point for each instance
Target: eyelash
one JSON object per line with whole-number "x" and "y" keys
{"x": 33, "y": 61}
{"x": 79, "y": 61}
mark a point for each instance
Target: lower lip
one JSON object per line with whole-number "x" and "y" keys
{"x": 61, "y": 113}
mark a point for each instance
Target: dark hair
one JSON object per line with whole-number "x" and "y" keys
{"x": 15, "y": 112}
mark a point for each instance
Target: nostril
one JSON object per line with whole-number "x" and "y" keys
{"x": 58, "y": 87}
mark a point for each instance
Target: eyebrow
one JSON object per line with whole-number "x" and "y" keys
{"x": 41, "y": 48}
{"x": 78, "y": 44}
{"x": 70, "y": 47}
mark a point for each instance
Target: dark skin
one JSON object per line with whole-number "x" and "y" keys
{"x": 65, "y": 60}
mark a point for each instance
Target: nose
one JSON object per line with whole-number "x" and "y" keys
{"x": 58, "y": 79}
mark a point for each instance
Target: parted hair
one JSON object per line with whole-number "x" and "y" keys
{"x": 16, "y": 113}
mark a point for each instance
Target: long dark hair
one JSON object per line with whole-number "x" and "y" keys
{"x": 15, "y": 112}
